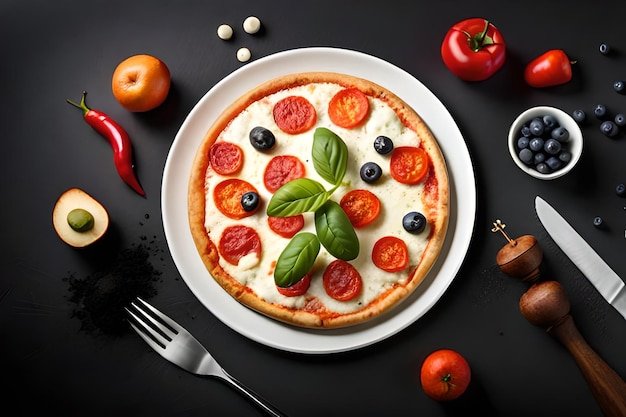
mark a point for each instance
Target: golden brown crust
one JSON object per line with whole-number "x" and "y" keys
{"x": 314, "y": 314}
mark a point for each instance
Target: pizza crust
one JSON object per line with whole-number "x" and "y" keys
{"x": 314, "y": 314}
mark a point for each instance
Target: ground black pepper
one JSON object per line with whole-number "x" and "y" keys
{"x": 99, "y": 299}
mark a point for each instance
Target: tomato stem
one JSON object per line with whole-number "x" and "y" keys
{"x": 480, "y": 40}
{"x": 483, "y": 34}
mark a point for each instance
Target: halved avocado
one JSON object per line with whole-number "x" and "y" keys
{"x": 79, "y": 233}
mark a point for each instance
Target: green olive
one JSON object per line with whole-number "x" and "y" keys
{"x": 80, "y": 220}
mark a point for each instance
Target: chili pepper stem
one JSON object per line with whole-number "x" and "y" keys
{"x": 80, "y": 105}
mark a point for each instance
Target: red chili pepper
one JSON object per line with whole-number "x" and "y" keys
{"x": 118, "y": 139}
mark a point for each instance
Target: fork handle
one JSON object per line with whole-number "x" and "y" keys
{"x": 251, "y": 395}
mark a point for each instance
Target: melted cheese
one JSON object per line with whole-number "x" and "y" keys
{"x": 396, "y": 199}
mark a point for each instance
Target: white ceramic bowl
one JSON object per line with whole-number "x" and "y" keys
{"x": 574, "y": 145}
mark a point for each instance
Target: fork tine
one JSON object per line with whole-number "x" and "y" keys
{"x": 141, "y": 332}
{"x": 169, "y": 332}
{"x": 171, "y": 323}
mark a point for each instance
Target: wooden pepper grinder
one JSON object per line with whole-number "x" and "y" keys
{"x": 547, "y": 305}
{"x": 520, "y": 258}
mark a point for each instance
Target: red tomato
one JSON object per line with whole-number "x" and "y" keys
{"x": 361, "y": 206}
{"x": 226, "y": 158}
{"x": 280, "y": 170}
{"x": 341, "y": 280}
{"x": 551, "y": 68}
{"x": 294, "y": 114}
{"x": 390, "y": 254}
{"x": 348, "y": 108}
{"x": 473, "y": 49}
{"x": 445, "y": 375}
{"x": 227, "y": 197}
{"x": 296, "y": 289}
{"x": 408, "y": 164}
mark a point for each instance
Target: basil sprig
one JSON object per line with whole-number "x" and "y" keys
{"x": 332, "y": 225}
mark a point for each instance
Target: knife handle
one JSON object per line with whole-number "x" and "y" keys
{"x": 608, "y": 388}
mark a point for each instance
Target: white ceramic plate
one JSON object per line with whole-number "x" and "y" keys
{"x": 271, "y": 332}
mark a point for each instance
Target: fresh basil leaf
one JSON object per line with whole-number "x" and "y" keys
{"x": 296, "y": 197}
{"x": 330, "y": 155}
{"x": 297, "y": 259}
{"x": 335, "y": 231}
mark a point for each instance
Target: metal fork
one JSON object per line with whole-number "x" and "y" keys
{"x": 178, "y": 346}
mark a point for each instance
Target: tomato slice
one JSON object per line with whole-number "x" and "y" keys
{"x": 348, "y": 108}
{"x": 296, "y": 289}
{"x": 408, "y": 164}
{"x": 226, "y": 158}
{"x": 238, "y": 241}
{"x": 286, "y": 226}
{"x": 294, "y": 114}
{"x": 227, "y": 197}
{"x": 361, "y": 206}
{"x": 342, "y": 281}
{"x": 390, "y": 254}
{"x": 280, "y": 170}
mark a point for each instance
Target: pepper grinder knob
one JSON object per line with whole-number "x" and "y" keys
{"x": 519, "y": 258}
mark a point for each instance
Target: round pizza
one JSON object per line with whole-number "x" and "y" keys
{"x": 319, "y": 199}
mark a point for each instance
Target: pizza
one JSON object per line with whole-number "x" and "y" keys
{"x": 319, "y": 199}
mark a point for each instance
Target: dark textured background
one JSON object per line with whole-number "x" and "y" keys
{"x": 50, "y": 51}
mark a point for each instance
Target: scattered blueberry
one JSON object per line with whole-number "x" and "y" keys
{"x": 383, "y": 145}
{"x": 261, "y": 138}
{"x": 249, "y": 201}
{"x": 609, "y": 128}
{"x": 371, "y": 172}
{"x": 604, "y": 49}
{"x": 579, "y": 115}
{"x": 620, "y": 190}
{"x": 620, "y": 120}
{"x": 619, "y": 86}
{"x": 597, "y": 221}
{"x": 599, "y": 110}
{"x": 414, "y": 222}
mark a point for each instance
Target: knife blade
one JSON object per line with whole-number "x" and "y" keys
{"x": 587, "y": 260}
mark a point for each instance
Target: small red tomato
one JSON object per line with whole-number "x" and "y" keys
{"x": 551, "y": 68}
{"x": 445, "y": 375}
{"x": 473, "y": 49}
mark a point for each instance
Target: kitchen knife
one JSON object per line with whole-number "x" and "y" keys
{"x": 603, "y": 278}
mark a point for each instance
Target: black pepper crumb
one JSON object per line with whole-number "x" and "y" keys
{"x": 99, "y": 299}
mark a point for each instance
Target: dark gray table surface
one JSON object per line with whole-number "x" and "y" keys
{"x": 50, "y": 51}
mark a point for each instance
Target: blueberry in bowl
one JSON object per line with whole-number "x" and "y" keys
{"x": 545, "y": 142}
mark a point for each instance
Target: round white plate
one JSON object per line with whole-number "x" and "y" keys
{"x": 271, "y": 332}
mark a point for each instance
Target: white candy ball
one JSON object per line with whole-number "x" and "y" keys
{"x": 224, "y": 32}
{"x": 252, "y": 25}
{"x": 243, "y": 54}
